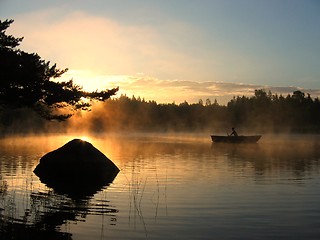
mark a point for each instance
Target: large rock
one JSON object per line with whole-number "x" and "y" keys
{"x": 77, "y": 165}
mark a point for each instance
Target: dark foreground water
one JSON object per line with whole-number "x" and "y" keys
{"x": 169, "y": 187}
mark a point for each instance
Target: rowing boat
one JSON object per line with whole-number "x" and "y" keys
{"x": 235, "y": 139}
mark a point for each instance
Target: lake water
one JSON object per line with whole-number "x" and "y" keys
{"x": 169, "y": 187}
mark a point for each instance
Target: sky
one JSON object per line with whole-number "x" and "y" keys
{"x": 176, "y": 50}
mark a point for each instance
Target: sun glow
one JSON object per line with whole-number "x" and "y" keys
{"x": 85, "y": 138}
{"x": 91, "y": 81}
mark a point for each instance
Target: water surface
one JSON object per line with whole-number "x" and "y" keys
{"x": 169, "y": 187}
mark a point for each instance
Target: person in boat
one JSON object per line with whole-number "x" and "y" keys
{"x": 233, "y": 133}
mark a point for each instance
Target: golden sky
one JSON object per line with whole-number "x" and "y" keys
{"x": 171, "y": 51}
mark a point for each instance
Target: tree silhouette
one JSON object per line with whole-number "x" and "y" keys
{"x": 27, "y": 81}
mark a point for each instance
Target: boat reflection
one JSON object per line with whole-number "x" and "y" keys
{"x": 294, "y": 157}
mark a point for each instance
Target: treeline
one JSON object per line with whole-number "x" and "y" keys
{"x": 262, "y": 112}
{"x": 296, "y": 112}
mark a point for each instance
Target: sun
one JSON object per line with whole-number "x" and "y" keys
{"x": 91, "y": 81}
{"x": 85, "y": 138}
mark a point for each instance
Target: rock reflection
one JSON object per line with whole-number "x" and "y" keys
{"x": 45, "y": 212}
{"x": 76, "y": 190}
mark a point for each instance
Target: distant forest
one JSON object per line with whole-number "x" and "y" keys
{"x": 263, "y": 112}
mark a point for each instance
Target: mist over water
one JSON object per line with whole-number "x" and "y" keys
{"x": 174, "y": 186}
{"x": 260, "y": 114}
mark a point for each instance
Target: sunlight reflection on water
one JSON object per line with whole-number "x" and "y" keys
{"x": 169, "y": 186}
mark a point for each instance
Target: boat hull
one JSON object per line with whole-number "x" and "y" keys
{"x": 235, "y": 139}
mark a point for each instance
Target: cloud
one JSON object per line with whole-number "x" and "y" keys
{"x": 168, "y": 91}
{"x": 192, "y": 91}
{"x": 78, "y": 40}
{"x": 103, "y": 53}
